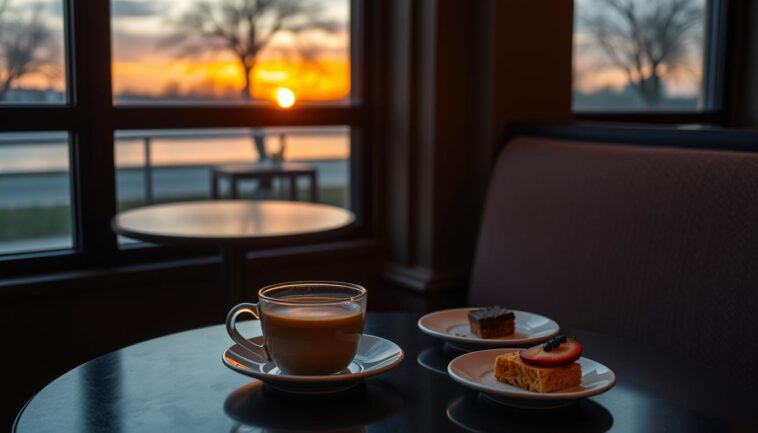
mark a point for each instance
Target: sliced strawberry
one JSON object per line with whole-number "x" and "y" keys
{"x": 565, "y": 353}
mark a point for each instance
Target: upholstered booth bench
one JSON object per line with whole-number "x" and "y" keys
{"x": 645, "y": 233}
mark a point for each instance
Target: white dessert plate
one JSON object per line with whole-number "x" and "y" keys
{"x": 452, "y": 325}
{"x": 375, "y": 356}
{"x": 476, "y": 370}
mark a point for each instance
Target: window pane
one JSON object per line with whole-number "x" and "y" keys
{"x": 35, "y": 192}
{"x": 167, "y": 51}
{"x": 180, "y": 164}
{"x": 639, "y": 54}
{"x": 32, "y": 52}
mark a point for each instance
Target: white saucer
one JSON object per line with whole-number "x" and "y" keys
{"x": 452, "y": 325}
{"x": 375, "y": 355}
{"x": 476, "y": 370}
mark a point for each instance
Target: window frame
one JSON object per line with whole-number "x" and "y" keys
{"x": 91, "y": 119}
{"x": 717, "y": 70}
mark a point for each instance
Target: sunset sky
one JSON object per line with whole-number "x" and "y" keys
{"x": 143, "y": 66}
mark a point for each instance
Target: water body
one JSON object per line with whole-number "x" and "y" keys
{"x": 54, "y": 189}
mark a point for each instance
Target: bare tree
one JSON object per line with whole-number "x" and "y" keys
{"x": 645, "y": 39}
{"x": 21, "y": 46}
{"x": 243, "y": 28}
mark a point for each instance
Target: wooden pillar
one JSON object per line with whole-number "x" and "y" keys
{"x": 460, "y": 71}
{"x": 741, "y": 78}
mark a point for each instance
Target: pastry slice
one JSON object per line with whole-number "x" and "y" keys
{"x": 510, "y": 369}
{"x": 548, "y": 367}
{"x": 491, "y": 322}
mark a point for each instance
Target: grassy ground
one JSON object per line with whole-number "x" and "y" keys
{"x": 40, "y": 222}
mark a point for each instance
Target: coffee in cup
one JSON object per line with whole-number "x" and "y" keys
{"x": 309, "y": 328}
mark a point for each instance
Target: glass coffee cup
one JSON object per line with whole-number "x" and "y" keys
{"x": 309, "y": 327}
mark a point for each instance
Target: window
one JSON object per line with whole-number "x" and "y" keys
{"x": 647, "y": 55}
{"x": 131, "y": 102}
{"x": 192, "y": 51}
{"x": 35, "y": 192}
{"x": 32, "y": 52}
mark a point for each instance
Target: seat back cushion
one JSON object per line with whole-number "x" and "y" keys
{"x": 655, "y": 244}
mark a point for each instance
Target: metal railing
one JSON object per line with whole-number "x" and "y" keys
{"x": 148, "y": 158}
{"x": 147, "y": 140}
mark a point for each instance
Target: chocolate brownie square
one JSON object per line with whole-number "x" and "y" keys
{"x": 491, "y": 322}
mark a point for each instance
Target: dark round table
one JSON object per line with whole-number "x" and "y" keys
{"x": 177, "y": 383}
{"x": 234, "y": 226}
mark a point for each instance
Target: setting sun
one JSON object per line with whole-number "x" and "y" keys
{"x": 285, "y": 97}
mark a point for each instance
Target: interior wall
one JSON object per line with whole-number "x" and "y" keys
{"x": 462, "y": 73}
{"x": 745, "y": 93}
{"x": 532, "y": 62}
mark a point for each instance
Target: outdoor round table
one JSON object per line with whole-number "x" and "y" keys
{"x": 177, "y": 383}
{"x": 234, "y": 226}
{"x": 262, "y": 171}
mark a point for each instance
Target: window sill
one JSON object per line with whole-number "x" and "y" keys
{"x": 190, "y": 268}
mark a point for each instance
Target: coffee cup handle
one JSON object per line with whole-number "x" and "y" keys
{"x": 231, "y": 328}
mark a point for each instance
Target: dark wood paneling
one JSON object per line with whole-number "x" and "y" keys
{"x": 50, "y": 334}
{"x": 400, "y": 117}
{"x": 716, "y": 138}
{"x": 452, "y": 93}
{"x": 654, "y": 118}
{"x": 94, "y": 162}
{"x": 37, "y": 118}
{"x": 228, "y": 117}
{"x": 741, "y": 78}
